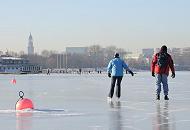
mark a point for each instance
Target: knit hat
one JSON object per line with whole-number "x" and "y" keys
{"x": 116, "y": 55}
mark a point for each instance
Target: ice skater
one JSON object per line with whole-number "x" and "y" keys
{"x": 160, "y": 66}
{"x": 115, "y": 72}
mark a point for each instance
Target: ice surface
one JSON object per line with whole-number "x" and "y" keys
{"x": 79, "y": 102}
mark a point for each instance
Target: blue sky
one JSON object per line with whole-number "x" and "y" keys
{"x": 128, "y": 24}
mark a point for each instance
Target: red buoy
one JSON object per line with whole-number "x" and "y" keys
{"x": 24, "y": 103}
{"x": 13, "y": 81}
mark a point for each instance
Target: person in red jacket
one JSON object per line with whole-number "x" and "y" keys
{"x": 161, "y": 64}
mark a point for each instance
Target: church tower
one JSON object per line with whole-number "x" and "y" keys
{"x": 30, "y": 45}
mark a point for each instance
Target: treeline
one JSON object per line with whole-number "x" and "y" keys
{"x": 97, "y": 57}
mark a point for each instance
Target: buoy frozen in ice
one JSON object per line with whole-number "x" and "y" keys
{"x": 23, "y": 103}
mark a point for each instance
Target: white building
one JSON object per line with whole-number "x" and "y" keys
{"x": 11, "y": 65}
{"x": 30, "y": 45}
{"x": 132, "y": 56}
{"x": 76, "y": 50}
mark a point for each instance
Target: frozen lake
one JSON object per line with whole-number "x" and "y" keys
{"x": 78, "y": 102}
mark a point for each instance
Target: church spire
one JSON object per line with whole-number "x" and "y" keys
{"x": 30, "y": 36}
{"x": 30, "y": 45}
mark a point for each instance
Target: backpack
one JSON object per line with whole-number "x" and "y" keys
{"x": 162, "y": 59}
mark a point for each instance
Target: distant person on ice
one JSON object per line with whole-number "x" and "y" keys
{"x": 160, "y": 66}
{"x": 48, "y": 71}
{"x": 115, "y": 71}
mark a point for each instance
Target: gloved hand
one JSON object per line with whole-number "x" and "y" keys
{"x": 173, "y": 75}
{"x": 153, "y": 74}
{"x": 109, "y": 75}
{"x": 131, "y": 72}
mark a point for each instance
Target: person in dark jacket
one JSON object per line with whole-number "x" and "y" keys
{"x": 161, "y": 64}
{"x": 115, "y": 71}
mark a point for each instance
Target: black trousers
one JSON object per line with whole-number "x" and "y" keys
{"x": 118, "y": 89}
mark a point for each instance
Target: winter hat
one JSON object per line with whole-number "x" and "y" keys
{"x": 116, "y": 55}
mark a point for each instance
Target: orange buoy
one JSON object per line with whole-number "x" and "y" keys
{"x": 23, "y": 103}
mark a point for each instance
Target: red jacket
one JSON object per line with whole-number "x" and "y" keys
{"x": 165, "y": 70}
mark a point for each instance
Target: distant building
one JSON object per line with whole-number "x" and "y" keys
{"x": 135, "y": 56}
{"x": 176, "y": 51}
{"x": 30, "y": 45}
{"x": 76, "y": 50}
{"x": 186, "y": 50}
{"x": 148, "y": 52}
{"x": 11, "y": 65}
